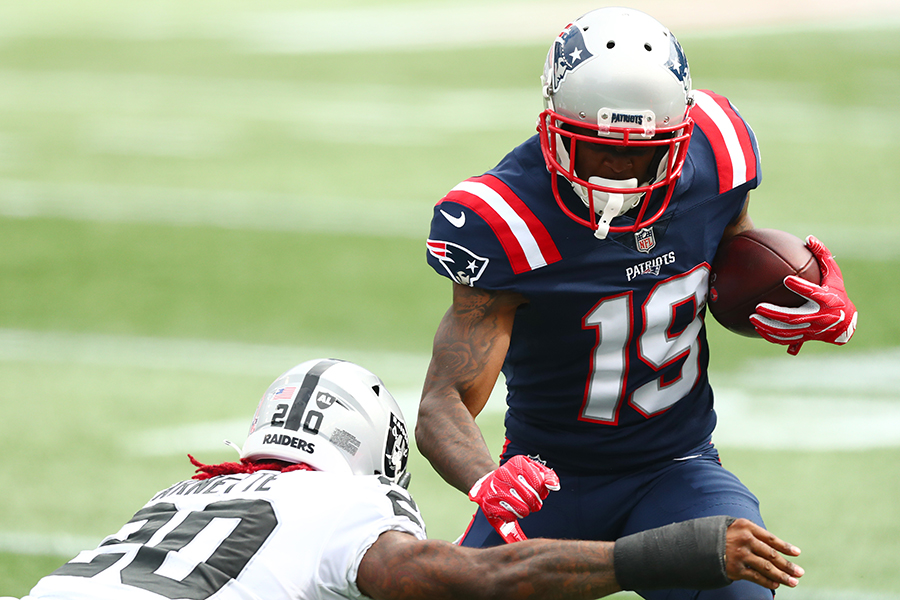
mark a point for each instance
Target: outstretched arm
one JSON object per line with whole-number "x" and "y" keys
{"x": 400, "y": 567}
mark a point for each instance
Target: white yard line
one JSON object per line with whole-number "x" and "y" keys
{"x": 266, "y": 211}
{"x": 498, "y": 24}
{"x": 832, "y": 402}
{"x": 260, "y": 211}
{"x": 45, "y": 544}
{"x": 268, "y": 26}
{"x": 186, "y": 355}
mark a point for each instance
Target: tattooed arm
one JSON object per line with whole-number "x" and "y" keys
{"x": 703, "y": 553}
{"x": 469, "y": 348}
{"x": 399, "y": 567}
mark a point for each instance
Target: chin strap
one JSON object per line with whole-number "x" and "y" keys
{"x": 233, "y": 445}
{"x": 610, "y": 205}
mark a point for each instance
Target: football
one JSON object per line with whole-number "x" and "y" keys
{"x": 750, "y": 268}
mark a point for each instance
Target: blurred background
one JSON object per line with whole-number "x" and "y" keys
{"x": 195, "y": 197}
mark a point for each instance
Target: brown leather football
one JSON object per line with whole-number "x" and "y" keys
{"x": 750, "y": 268}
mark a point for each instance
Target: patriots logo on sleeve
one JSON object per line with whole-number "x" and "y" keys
{"x": 569, "y": 51}
{"x": 463, "y": 265}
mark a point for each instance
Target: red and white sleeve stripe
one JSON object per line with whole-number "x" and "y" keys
{"x": 729, "y": 136}
{"x": 524, "y": 238}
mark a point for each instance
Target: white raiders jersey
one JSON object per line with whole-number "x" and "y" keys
{"x": 262, "y": 536}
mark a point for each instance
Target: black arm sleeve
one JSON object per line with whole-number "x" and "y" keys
{"x": 681, "y": 555}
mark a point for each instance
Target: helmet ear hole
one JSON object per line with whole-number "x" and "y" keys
{"x": 611, "y": 44}
{"x": 648, "y": 47}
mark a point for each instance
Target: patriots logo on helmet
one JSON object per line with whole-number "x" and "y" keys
{"x": 677, "y": 62}
{"x": 463, "y": 265}
{"x": 569, "y": 52}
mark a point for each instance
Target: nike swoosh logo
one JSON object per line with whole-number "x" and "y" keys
{"x": 455, "y": 221}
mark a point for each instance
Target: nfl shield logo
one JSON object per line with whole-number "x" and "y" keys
{"x": 644, "y": 239}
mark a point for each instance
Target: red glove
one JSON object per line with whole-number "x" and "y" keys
{"x": 828, "y": 314}
{"x": 513, "y": 491}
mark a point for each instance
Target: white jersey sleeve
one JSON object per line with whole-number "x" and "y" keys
{"x": 390, "y": 508}
{"x": 265, "y": 536}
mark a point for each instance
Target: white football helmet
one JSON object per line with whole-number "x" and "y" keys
{"x": 334, "y": 416}
{"x": 620, "y": 73}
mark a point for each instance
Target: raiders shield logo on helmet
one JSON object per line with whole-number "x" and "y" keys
{"x": 397, "y": 450}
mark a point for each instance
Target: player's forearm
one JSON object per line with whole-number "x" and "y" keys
{"x": 550, "y": 569}
{"x": 700, "y": 554}
{"x": 448, "y": 437}
{"x": 532, "y": 569}
{"x": 469, "y": 348}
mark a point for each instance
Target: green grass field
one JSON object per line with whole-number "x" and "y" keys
{"x": 194, "y": 198}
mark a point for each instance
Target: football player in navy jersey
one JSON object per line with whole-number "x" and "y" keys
{"x": 580, "y": 268}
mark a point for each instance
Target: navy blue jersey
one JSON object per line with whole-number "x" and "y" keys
{"x": 607, "y": 365}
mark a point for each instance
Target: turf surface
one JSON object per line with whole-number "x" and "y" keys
{"x": 164, "y": 180}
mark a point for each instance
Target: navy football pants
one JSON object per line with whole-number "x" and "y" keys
{"x": 606, "y": 507}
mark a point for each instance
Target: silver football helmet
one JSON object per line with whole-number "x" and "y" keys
{"x": 334, "y": 416}
{"x": 616, "y": 77}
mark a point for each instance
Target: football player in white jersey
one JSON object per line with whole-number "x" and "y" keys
{"x": 317, "y": 509}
